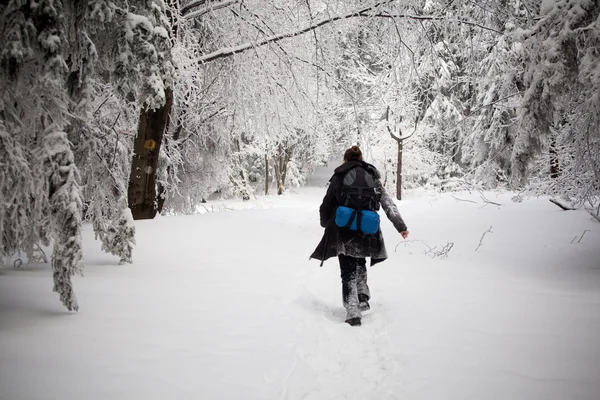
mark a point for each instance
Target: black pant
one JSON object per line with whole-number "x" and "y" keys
{"x": 354, "y": 283}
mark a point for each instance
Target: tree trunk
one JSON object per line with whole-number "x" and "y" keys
{"x": 281, "y": 168}
{"x": 284, "y": 169}
{"x": 146, "y": 148}
{"x": 244, "y": 188}
{"x": 266, "y": 174}
{"x": 280, "y": 165}
{"x": 276, "y": 166}
{"x": 277, "y": 170}
{"x": 399, "y": 171}
{"x": 554, "y": 165}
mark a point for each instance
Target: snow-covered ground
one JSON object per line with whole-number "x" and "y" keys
{"x": 226, "y": 305}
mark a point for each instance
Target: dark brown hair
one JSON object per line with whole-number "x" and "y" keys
{"x": 353, "y": 154}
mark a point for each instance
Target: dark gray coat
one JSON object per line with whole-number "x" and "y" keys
{"x": 337, "y": 241}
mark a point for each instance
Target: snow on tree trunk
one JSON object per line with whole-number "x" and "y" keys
{"x": 147, "y": 37}
{"x": 142, "y": 181}
{"x": 280, "y": 166}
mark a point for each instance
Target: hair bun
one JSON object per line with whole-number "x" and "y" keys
{"x": 353, "y": 154}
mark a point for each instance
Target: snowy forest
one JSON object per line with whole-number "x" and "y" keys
{"x": 113, "y": 110}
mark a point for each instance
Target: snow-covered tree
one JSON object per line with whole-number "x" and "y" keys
{"x": 65, "y": 72}
{"x": 35, "y": 60}
{"x": 561, "y": 103}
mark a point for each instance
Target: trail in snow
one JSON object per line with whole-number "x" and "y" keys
{"x": 226, "y": 305}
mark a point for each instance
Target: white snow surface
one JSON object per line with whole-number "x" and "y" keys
{"x": 226, "y": 305}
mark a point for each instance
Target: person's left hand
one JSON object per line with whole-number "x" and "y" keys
{"x": 404, "y": 234}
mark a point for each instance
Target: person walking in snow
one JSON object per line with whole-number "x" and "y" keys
{"x": 349, "y": 215}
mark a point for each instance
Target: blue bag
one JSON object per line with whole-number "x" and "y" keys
{"x": 346, "y": 217}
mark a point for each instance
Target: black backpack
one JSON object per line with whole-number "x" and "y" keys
{"x": 359, "y": 202}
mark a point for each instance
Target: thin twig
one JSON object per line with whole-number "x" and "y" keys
{"x": 408, "y": 242}
{"x": 101, "y": 104}
{"x": 469, "y": 201}
{"x": 582, "y": 235}
{"x": 482, "y": 236}
{"x": 432, "y": 18}
{"x": 442, "y": 253}
{"x": 412, "y": 53}
{"x": 112, "y": 163}
{"x": 431, "y": 251}
{"x": 488, "y": 201}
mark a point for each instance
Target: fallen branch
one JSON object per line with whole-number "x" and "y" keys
{"x": 485, "y": 200}
{"x": 442, "y": 253}
{"x": 431, "y": 251}
{"x": 561, "y": 205}
{"x": 482, "y": 236}
{"x": 468, "y": 201}
{"x": 573, "y": 239}
{"x": 408, "y": 242}
{"x": 581, "y": 237}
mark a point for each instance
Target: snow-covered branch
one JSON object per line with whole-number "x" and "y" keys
{"x": 229, "y": 51}
{"x": 208, "y": 8}
{"x": 432, "y": 18}
{"x": 192, "y": 4}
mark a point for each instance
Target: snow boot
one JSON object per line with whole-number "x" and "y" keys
{"x": 353, "y": 321}
{"x": 363, "y": 304}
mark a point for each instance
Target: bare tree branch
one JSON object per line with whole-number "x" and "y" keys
{"x": 494, "y": 102}
{"x": 482, "y": 236}
{"x": 185, "y": 9}
{"x": 412, "y": 53}
{"x": 387, "y": 119}
{"x": 582, "y": 235}
{"x": 488, "y": 201}
{"x": 433, "y": 18}
{"x": 202, "y": 122}
{"x": 364, "y": 12}
{"x": 229, "y": 51}
{"x": 395, "y": 137}
{"x": 468, "y": 201}
{"x": 209, "y": 8}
